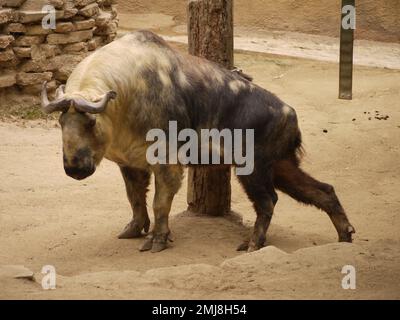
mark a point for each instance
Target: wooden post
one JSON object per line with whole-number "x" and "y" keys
{"x": 210, "y": 30}
{"x": 346, "y": 50}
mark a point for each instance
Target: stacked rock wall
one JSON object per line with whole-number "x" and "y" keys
{"x": 31, "y": 54}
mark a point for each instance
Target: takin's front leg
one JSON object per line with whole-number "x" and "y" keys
{"x": 167, "y": 182}
{"x": 136, "y": 183}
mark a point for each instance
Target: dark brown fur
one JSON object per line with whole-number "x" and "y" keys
{"x": 290, "y": 179}
{"x": 198, "y": 94}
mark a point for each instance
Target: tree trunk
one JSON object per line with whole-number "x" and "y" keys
{"x": 210, "y": 29}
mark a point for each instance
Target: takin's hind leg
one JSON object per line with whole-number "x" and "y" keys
{"x": 167, "y": 182}
{"x": 290, "y": 179}
{"x": 259, "y": 188}
{"x": 136, "y": 183}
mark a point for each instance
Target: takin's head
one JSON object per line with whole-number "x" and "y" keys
{"x": 84, "y": 142}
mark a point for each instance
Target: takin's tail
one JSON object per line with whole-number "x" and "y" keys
{"x": 289, "y": 140}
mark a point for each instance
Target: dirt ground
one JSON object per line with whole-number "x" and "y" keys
{"x": 47, "y": 218}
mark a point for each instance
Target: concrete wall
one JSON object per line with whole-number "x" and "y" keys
{"x": 376, "y": 19}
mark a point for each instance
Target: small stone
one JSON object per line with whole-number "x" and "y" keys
{"x": 90, "y": 10}
{"x": 5, "y": 41}
{"x": 77, "y": 36}
{"x": 38, "y": 65}
{"x": 28, "y": 41}
{"x": 13, "y": 3}
{"x": 108, "y": 29}
{"x": 36, "y": 88}
{"x": 6, "y": 15}
{"x": 76, "y": 47}
{"x": 110, "y": 37}
{"x": 69, "y": 9}
{"x": 325, "y": 131}
{"x": 114, "y": 11}
{"x": 103, "y": 19}
{"x": 12, "y": 63}
{"x": 43, "y": 51}
{"x": 25, "y": 78}
{"x": 83, "y": 3}
{"x": 94, "y": 43}
{"x": 84, "y": 24}
{"x": 58, "y": 4}
{"x": 354, "y": 119}
{"x": 6, "y": 55}
{"x": 16, "y": 272}
{"x": 7, "y": 78}
{"x": 22, "y": 52}
{"x": 14, "y": 28}
{"x": 106, "y": 3}
{"x": 37, "y": 30}
{"x": 36, "y": 16}
{"x": 64, "y": 27}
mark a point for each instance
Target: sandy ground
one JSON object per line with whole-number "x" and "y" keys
{"x": 287, "y": 43}
{"x": 47, "y": 218}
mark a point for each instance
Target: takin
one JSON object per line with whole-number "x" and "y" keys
{"x": 138, "y": 83}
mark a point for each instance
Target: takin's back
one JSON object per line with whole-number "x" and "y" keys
{"x": 155, "y": 83}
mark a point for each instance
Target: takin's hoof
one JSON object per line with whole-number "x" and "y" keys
{"x": 347, "y": 235}
{"x": 134, "y": 230}
{"x": 155, "y": 243}
{"x": 254, "y": 246}
{"x": 250, "y": 246}
{"x": 243, "y": 246}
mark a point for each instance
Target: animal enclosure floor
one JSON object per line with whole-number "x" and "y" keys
{"x": 293, "y": 44}
{"x": 47, "y": 218}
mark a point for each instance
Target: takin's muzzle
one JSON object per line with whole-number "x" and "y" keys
{"x": 79, "y": 173}
{"x": 81, "y": 166}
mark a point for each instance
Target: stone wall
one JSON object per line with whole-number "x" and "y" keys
{"x": 31, "y": 54}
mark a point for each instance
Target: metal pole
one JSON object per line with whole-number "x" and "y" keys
{"x": 347, "y": 26}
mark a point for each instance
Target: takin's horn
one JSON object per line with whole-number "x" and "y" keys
{"x": 60, "y": 91}
{"x": 59, "y": 104}
{"x": 94, "y": 107}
